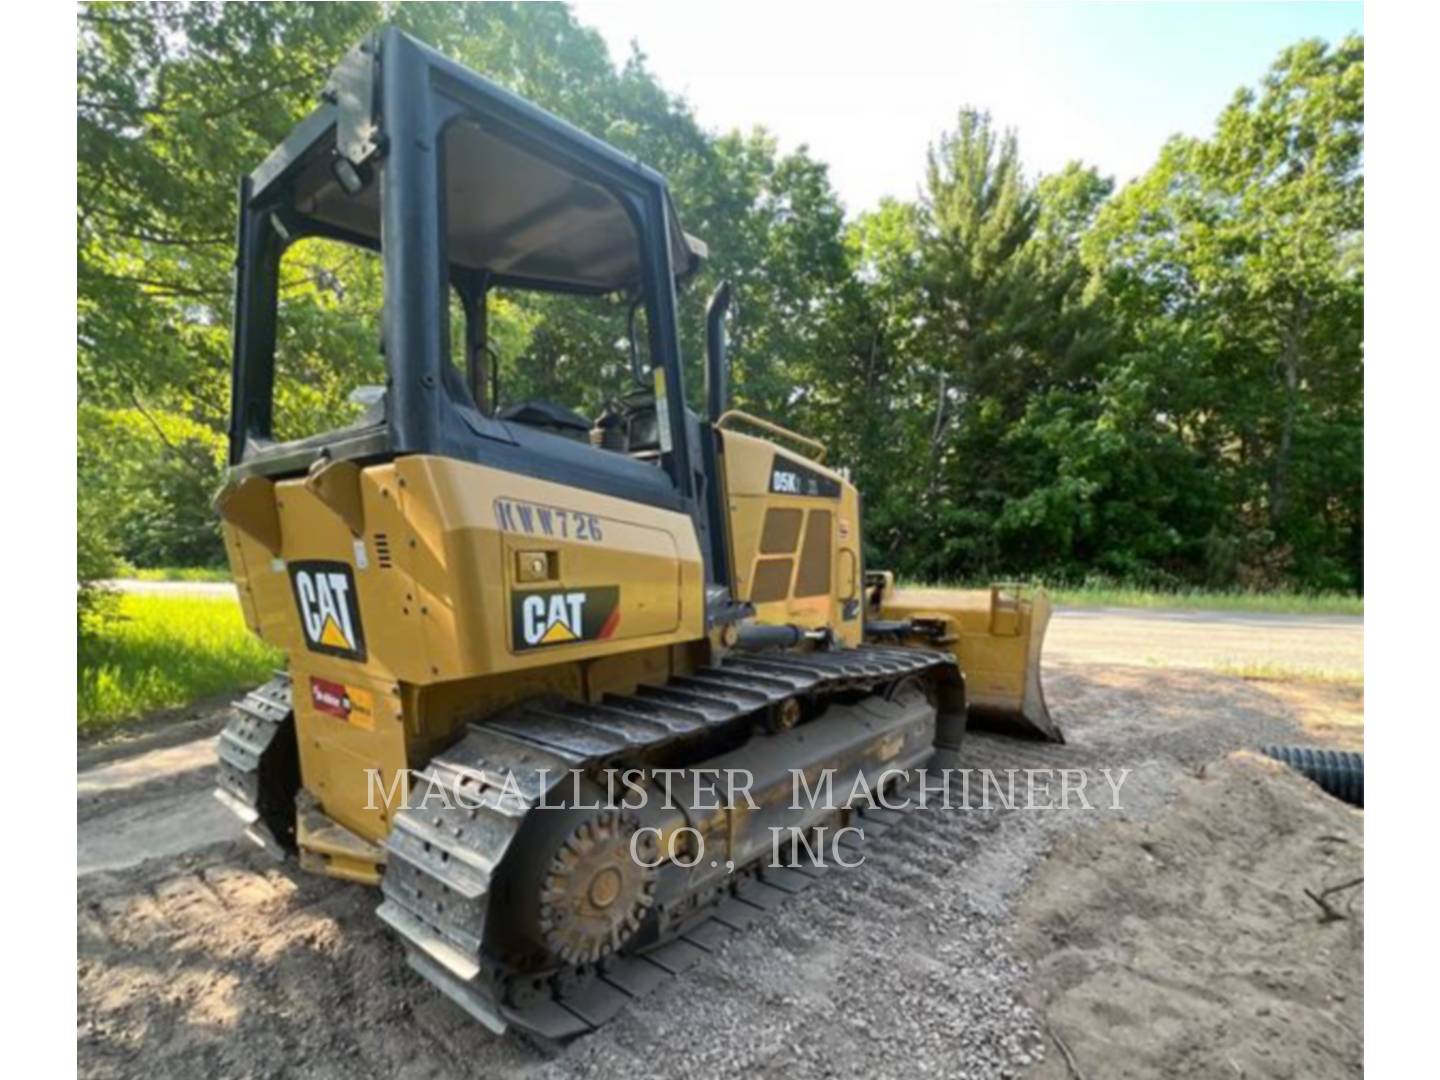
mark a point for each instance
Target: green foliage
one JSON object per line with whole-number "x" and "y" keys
{"x": 978, "y": 342}
{"x": 327, "y": 336}
{"x": 182, "y": 573}
{"x": 175, "y": 103}
{"x": 164, "y": 651}
{"x": 1270, "y": 601}
{"x": 1233, "y": 273}
{"x": 95, "y": 562}
{"x": 1026, "y": 375}
{"x": 149, "y": 478}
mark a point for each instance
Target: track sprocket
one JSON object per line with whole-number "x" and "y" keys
{"x": 595, "y": 893}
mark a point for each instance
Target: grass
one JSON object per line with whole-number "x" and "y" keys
{"x": 1268, "y": 672}
{"x": 1278, "y": 602}
{"x": 1124, "y": 596}
{"x": 181, "y": 573}
{"x": 160, "y": 652}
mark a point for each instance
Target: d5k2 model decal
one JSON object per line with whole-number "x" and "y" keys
{"x": 561, "y": 616}
{"x": 789, "y": 477}
{"x": 329, "y": 610}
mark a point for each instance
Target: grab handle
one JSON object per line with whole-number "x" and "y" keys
{"x": 818, "y": 448}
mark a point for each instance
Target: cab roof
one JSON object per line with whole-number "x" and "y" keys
{"x": 524, "y": 202}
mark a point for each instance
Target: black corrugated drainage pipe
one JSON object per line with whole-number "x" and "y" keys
{"x": 1338, "y": 772}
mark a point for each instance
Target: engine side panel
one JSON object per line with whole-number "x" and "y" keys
{"x": 795, "y": 537}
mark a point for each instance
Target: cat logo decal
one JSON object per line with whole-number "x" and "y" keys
{"x": 329, "y": 609}
{"x": 562, "y": 616}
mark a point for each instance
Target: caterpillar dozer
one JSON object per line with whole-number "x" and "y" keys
{"x": 488, "y": 611}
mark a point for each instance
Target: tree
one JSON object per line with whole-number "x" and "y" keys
{"x": 1235, "y": 268}
{"x": 177, "y": 101}
{"x": 1025, "y": 375}
{"x": 979, "y": 296}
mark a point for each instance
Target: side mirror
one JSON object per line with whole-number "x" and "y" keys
{"x": 717, "y": 362}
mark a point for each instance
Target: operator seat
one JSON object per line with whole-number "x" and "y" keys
{"x": 629, "y": 425}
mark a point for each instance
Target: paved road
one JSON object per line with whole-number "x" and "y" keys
{"x": 155, "y": 803}
{"x": 1208, "y": 639}
{"x": 174, "y": 588}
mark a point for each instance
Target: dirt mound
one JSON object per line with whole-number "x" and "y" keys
{"x": 1185, "y": 945}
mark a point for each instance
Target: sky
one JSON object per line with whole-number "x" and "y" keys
{"x": 868, "y": 86}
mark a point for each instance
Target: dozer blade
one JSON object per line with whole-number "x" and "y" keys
{"x": 996, "y": 635}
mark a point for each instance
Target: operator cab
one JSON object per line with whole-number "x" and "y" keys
{"x": 413, "y": 208}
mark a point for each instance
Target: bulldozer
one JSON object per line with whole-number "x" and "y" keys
{"x": 489, "y": 613}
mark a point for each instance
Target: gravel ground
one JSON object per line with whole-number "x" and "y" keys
{"x": 220, "y": 962}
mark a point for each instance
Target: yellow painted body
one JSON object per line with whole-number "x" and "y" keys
{"x": 444, "y": 556}
{"x": 435, "y": 564}
{"x": 806, "y": 570}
